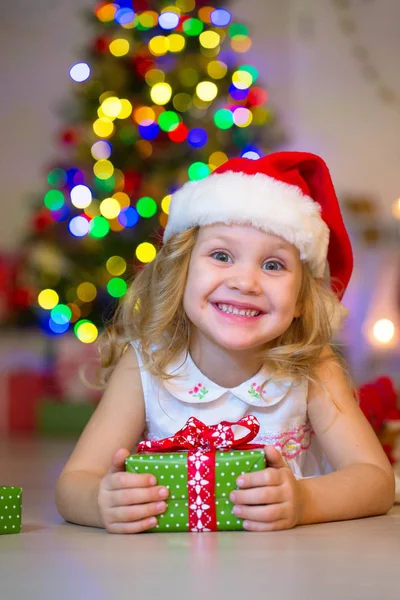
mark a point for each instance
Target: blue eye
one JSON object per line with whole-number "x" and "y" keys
{"x": 221, "y": 256}
{"x": 272, "y": 265}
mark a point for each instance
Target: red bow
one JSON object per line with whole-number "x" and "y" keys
{"x": 195, "y": 435}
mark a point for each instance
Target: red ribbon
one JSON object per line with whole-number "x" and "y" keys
{"x": 202, "y": 443}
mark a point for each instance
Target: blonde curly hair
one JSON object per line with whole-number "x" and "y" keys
{"x": 152, "y": 313}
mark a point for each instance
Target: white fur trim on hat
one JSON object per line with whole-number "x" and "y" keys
{"x": 258, "y": 200}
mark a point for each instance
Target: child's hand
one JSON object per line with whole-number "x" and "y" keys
{"x": 269, "y": 499}
{"x": 128, "y": 502}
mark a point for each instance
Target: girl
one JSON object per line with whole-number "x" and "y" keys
{"x": 234, "y": 317}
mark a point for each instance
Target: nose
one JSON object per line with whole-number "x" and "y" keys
{"x": 245, "y": 280}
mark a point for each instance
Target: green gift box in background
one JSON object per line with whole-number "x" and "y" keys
{"x": 10, "y": 509}
{"x": 200, "y": 476}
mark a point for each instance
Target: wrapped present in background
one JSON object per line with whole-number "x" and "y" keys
{"x": 199, "y": 465}
{"x": 10, "y": 509}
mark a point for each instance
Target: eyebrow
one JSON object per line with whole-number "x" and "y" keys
{"x": 283, "y": 245}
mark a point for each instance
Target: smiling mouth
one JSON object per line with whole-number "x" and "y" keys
{"x": 229, "y": 309}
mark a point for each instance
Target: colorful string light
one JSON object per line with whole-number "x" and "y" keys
{"x": 188, "y": 101}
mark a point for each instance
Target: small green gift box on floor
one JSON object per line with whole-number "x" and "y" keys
{"x": 10, "y": 509}
{"x": 199, "y": 476}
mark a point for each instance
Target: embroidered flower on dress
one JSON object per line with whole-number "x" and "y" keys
{"x": 254, "y": 390}
{"x": 199, "y": 391}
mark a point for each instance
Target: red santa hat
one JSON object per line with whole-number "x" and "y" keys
{"x": 289, "y": 194}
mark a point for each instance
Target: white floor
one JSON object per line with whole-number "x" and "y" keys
{"x": 53, "y": 560}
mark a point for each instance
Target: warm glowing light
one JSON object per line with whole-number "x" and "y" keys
{"x": 159, "y": 45}
{"x": 111, "y": 107}
{"x": 186, "y": 5}
{"x": 396, "y": 209}
{"x": 146, "y": 252}
{"x": 86, "y": 291}
{"x": 217, "y": 69}
{"x": 217, "y": 159}
{"x": 176, "y": 42}
{"x": 126, "y": 109}
{"x": 116, "y": 265}
{"x": 103, "y": 127}
{"x": 106, "y": 12}
{"x": 209, "y": 39}
{"x": 110, "y": 208}
{"x": 206, "y": 91}
{"x": 242, "y": 79}
{"x": 383, "y": 331}
{"x": 86, "y": 331}
{"x": 119, "y": 47}
{"x": 154, "y": 76}
{"x": 165, "y": 202}
{"x": 48, "y": 299}
{"x": 123, "y": 199}
{"x": 144, "y": 115}
{"x": 161, "y": 93}
{"x": 103, "y": 169}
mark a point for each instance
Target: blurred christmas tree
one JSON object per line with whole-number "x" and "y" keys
{"x": 165, "y": 95}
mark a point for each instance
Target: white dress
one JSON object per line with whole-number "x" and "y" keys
{"x": 282, "y": 412}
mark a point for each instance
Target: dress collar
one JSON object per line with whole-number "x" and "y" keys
{"x": 190, "y": 385}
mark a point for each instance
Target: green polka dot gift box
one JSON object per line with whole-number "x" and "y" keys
{"x": 10, "y": 509}
{"x": 199, "y": 465}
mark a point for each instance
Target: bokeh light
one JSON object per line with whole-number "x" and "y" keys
{"x": 198, "y": 170}
{"x": 117, "y": 287}
{"x": 86, "y": 331}
{"x": 116, "y": 265}
{"x": 165, "y": 202}
{"x": 48, "y": 299}
{"x": 119, "y": 47}
{"x": 110, "y": 208}
{"x": 86, "y": 291}
{"x": 101, "y": 150}
{"x": 161, "y": 93}
{"x": 207, "y": 91}
{"x": 54, "y": 199}
{"x": 128, "y": 217}
{"x": 384, "y": 331}
{"x": 61, "y": 314}
{"x": 146, "y": 207}
{"x": 99, "y": 227}
{"x": 220, "y": 17}
{"x": 80, "y": 72}
{"x": 78, "y": 226}
{"x": 145, "y": 252}
{"x": 168, "y": 20}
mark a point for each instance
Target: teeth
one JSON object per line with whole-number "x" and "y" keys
{"x": 233, "y": 310}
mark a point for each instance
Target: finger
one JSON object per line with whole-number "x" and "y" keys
{"x": 274, "y": 458}
{"x": 136, "y": 527}
{"x": 121, "y": 481}
{"x": 260, "y": 526}
{"x": 136, "y": 512}
{"x": 260, "y": 478}
{"x": 265, "y": 514}
{"x": 130, "y": 496}
{"x": 118, "y": 461}
{"x": 261, "y": 495}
